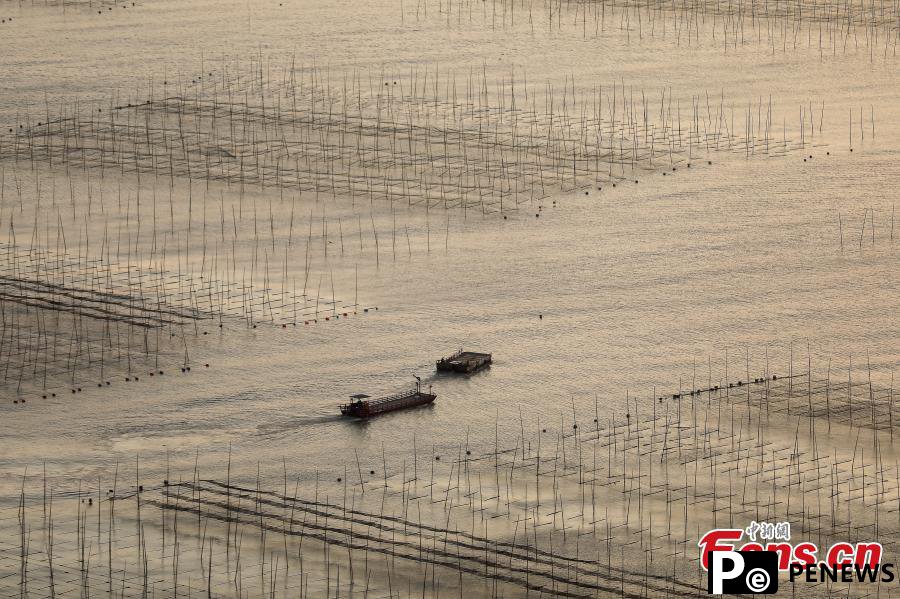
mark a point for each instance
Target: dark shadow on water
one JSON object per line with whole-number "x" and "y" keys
{"x": 446, "y": 376}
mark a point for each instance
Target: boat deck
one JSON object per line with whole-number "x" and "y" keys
{"x": 399, "y": 401}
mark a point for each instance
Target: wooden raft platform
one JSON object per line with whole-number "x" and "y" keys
{"x": 464, "y": 362}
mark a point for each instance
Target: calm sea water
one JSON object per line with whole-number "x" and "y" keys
{"x": 604, "y": 297}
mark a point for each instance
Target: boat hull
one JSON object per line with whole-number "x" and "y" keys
{"x": 369, "y": 409}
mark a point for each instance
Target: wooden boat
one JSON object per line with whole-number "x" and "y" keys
{"x": 464, "y": 362}
{"x": 361, "y": 406}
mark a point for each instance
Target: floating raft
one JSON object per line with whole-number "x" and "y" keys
{"x": 362, "y": 407}
{"x": 464, "y": 362}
